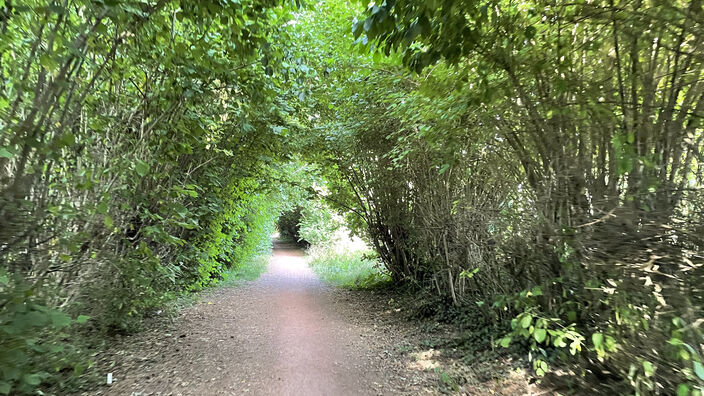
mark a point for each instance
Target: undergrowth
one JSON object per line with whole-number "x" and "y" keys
{"x": 348, "y": 268}
{"x": 252, "y": 271}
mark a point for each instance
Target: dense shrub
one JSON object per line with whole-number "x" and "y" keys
{"x": 543, "y": 161}
{"x": 319, "y": 225}
{"x": 346, "y": 266}
{"x": 538, "y": 159}
{"x": 32, "y": 338}
{"x": 138, "y": 140}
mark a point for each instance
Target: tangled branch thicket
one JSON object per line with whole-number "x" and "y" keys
{"x": 138, "y": 144}
{"x": 544, "y": 161}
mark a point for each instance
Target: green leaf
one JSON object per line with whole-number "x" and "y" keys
{"x": 102, "y": 207}
{"x": 683, "y": 390}
{"x": 575, "y": 346}
{"x": 49, "y": 63}
{"x": 610, "y": 343}
{"x": 108, "y": 221}
{"x": 81, "y": 319}
{"x": 4, "y": 153}
{"x": 142, "y": 168}
{"x": 526, "y": 321}
{"x": 469, "y": 274}
{"x": 505, "y": 342}
{"x": 59, "y": 319}
{"x": 67, "y": 139}
{"x": 78, "y": 369}
{"x": 559, "y": 342}
{"x": 699, "y": 370}
{"x": 5, "y": 388}
{"x": 597, "y": 340}
{"x": 31, "y": 319}
{"x": 539, "y": 335}
{"x": 648, "y": 368}
{"x": 32, "y": 379}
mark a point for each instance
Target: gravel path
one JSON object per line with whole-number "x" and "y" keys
{"x": 284, "y": 334}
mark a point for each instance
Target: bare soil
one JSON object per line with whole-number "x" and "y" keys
{"x": 287, "y": 333}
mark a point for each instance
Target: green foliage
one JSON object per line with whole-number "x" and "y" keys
{"x": 530, "y": 153}
{"x": 544, "y": 155}
{"x": 32, "y": 346}
{"x": 239, "y": 230}
{"x": 354, "y": 269}
{"x": 288, "y": 224}
{"x": 248, "y": 271}
{"x": 141, "y": 153}
{"x": 318, "y": 224}
{"x": 446, "y": 380}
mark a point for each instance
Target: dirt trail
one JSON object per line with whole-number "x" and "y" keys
{"x": 284, "y": 334}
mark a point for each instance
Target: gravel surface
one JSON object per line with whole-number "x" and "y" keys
{"x": 284, "y": 334}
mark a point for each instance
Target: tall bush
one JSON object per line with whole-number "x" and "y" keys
{"x": 541, "y": 162}
{"x": 137, "y": 144}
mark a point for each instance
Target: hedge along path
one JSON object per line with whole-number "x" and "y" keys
{"x": 284, "y": 334}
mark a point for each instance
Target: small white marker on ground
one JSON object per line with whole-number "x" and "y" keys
{"x": 109, "y": 378}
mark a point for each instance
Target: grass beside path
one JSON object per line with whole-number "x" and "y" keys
{"x": 249, "y": 272}
{"x": 345, "y": 267}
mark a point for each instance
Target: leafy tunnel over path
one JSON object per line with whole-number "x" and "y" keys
{"x": 530, "y": 169}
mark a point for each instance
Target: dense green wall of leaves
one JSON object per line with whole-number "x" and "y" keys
{"x": 138, "y": 144}
{"x": 537, "y": 162}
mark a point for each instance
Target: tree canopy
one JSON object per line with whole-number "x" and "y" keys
{"x": 537, "y": 162}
